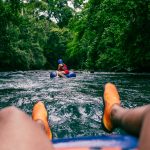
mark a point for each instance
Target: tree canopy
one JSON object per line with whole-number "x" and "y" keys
{"x": 112, "y": 35}
{"x": 107, "y": 35}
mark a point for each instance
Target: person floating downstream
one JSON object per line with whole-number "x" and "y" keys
{"x": 62, "y": 69}
{"x": 20, "y": 132}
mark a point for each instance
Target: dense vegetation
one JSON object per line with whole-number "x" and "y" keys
{"x": 108, "y": 35}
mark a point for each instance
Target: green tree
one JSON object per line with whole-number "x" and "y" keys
{"x": 56, "y": 45}
{"x": 112, "y": 35}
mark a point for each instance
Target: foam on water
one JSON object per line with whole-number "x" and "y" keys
{"x": 74, "y": 105}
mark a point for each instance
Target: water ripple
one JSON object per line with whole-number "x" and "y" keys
{"x": 74, "y": 105}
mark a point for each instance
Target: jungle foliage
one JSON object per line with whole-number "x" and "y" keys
{"x": 112, "y": 35}
{"x": 108, "y": 35}
{"x": 29, "y": 38}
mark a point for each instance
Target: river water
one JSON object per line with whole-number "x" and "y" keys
{"x": 74, "y": 104}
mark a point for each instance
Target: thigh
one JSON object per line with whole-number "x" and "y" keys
{"x": 62, "y": 72}
{"x": 19, "y": 131}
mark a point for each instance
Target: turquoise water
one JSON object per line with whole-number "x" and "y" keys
{"x": 75, "y": 104}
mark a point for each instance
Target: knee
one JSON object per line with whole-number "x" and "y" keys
{"x": 10, "y": 112}
{"x": 147, "y": 112}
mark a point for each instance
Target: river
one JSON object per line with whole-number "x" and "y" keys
{"x": 74, "y": 104}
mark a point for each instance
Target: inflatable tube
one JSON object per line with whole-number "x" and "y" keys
{"x": 113, "y": 142}
{"x": 70, "y": 75}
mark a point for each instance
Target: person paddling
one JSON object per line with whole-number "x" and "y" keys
{"x": 62, "y": 69}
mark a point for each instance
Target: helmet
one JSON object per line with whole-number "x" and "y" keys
{"x": 60, "y": 61}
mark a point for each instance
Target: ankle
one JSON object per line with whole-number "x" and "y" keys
{"x": 114, "y": 115}
{"x": 41, "y": 124}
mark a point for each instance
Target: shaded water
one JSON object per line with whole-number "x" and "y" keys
{"x": 75, "y": 104}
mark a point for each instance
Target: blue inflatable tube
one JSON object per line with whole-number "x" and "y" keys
{"x": 96, "y": 143}
{"x": 70, "y": 75}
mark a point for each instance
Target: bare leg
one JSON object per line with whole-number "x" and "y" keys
{"x": 41, "y": 124}
{"x": 130, "y": 120}
{"x": 144, "y": 143}
{"x": 61, "y": 74}
{"x": 135, "y": 121}
{"x": 57, "y": 73}
{"x": 19, "y": 131}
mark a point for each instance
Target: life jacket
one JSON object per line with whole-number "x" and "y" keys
{"x": 63, "y": 68}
